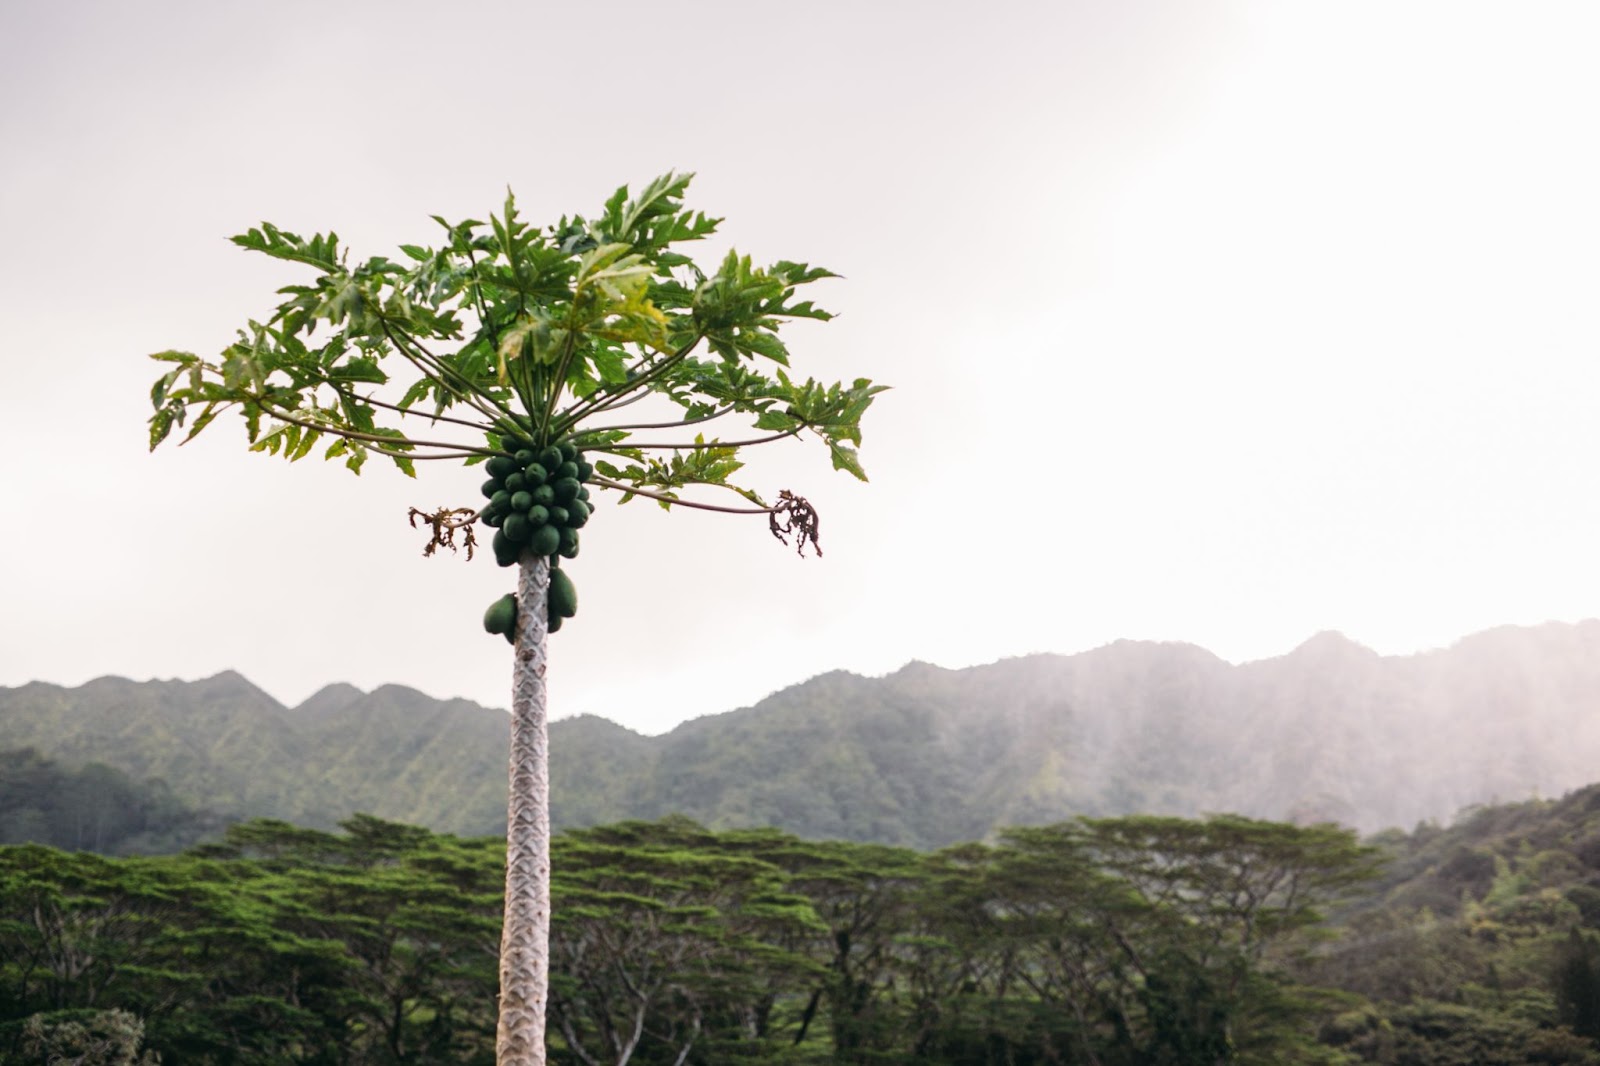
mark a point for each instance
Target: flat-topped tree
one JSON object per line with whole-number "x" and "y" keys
{"x": 517, "y": 348}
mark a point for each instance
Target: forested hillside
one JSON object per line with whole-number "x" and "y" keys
{"x": 1135, "y": 941}
{"x": 224, "y": 746}
{"x": 93, "y": 808}
{"x": 1478, "y": 943}
{"x": 922, "y": 757}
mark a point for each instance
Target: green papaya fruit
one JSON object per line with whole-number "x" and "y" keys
{"x": 500, "y": 465}
{"x": 538, "y": 516}
{"x": 544, "y": 540}
{"x": 521, "y": 501}
{"x": 490, "y": 487}
{"x": 585, "y": 469}
{"x": 544, "y": 494}
{"x": 501, "y": 617}
{"x": 555, "y": 623}
{"x": 505, "y": 551}
{"x": 501, "y": 500}
{"x": 563, "y": 595}
{"x": 491, "y": 517}
{"x": 568, "y": 546}
{"x": 583, "y": 494}
{"x": 517, "y": 529}
{"x": 566, "y": 489}
{"x": 577, "y": 514}
{"x": 569, "y": 450}
{"x": 551, "y": 458}
{"x": 534, "y": 474}
{"x": 523, "y": 457}
{"x": 568, "y": 469}
{"x": 515, "y": 483}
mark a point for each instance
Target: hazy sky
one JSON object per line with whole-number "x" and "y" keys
{"x": 1215, "y": 322}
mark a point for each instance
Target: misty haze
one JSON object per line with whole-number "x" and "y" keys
{"x": 1032, "y": 534}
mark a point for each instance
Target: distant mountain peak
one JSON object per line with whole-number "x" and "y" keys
{"x": 596, "y": 724}
{"x": 329, "y": 699}
{"x": 921, "y": 668}
{"x": 1331, "y": 642}
{"x": 232, "y": 681}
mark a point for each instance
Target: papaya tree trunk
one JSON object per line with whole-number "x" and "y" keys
{"x": 525, "y": 932}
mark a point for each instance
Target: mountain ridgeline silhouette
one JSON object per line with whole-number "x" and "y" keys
{"x": 924, "y": 756}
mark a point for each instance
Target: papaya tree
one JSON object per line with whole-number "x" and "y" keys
{"x": 524, "y": 349}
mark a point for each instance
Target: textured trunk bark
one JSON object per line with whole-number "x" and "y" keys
{"x": 525, "y": 933}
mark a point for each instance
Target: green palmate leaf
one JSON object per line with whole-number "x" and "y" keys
{"x": 161, "y": 424}
{"x": 844, "y": 458}
{"x": 754, "y": 342}
{"x": 357, "y": 370}
{"x": 611, "y": 364}
{"x": 528, "y": 338}
{"x": 320, "y": 251}
{"x": 207, "y": 415}
{"x": 777, "y": 420}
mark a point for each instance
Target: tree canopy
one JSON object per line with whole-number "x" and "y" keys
{"x": 502, "y": 331}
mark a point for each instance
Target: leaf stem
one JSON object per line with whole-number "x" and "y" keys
{"x": 568, "y": 347}
{"x": 665, "y": 425}
{"x": 578, "y": 411}
{"x": 474, "y": 397}
{"x": 355, "y": 434}
{"x": 408, "y": 411}
{"x": 618, "y": 405}
{"x": 717, "y": 443}
{"x": 608, "y": 483}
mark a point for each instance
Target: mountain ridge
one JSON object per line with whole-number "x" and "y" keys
{"x": 924, "y": 755}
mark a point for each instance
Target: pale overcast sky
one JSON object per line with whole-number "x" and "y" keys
{"x": 1215, "y": 322}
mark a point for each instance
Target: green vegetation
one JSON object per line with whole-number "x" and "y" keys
{"x": 93, "y": 808}
{"x": 1140, "y": 940}
{"x": 1480, "y": 943}
{"x": 1121, "y": 941}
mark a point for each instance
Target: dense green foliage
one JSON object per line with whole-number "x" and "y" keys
{"x": 517, "y": 343}
{"x": 1132, "y": 940}
{"x": 93, "y": 808}
{"x": 1481, "y": 941}
{"x": 1139, "y": 940}
{"x": 924, "y": 757}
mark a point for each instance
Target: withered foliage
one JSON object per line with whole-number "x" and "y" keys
{"x": 446, "y": 522}
{"x": 794, "y": 514}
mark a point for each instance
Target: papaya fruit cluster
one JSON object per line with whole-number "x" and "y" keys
{"x": 562, "y": 603}
{"x": 537, "y": 501}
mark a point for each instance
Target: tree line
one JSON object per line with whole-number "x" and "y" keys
{"x": 1109, "y": 941}
{"x": 1137, "y": 940}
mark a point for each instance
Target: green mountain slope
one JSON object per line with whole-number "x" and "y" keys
{"x": 93, "y": 808}
{"x": 922, "y": 757}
